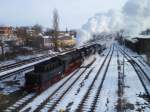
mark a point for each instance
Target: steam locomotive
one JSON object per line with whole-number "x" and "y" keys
{"x": 51, "y": 71}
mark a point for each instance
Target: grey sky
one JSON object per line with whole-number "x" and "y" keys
{"x": 73, "y": 13}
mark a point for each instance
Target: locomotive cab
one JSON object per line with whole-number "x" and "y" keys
{"x": 45, "y": 74}
{"x": 32, "y": 81}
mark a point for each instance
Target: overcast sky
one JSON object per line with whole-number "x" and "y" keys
{"x": 73, "y": 13}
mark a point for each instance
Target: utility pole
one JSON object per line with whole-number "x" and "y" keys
{"x": 123, "y": 42}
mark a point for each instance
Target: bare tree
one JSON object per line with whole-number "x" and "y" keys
{"x": 55, "y": 29}
{"x": 48, "y": 32}
{"x": 37, "y": 28}
{"x": 21, "y": 33}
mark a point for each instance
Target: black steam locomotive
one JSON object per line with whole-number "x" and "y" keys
{"x": 51, "y": 71}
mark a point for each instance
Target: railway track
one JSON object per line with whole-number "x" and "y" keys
{"x": 20, "y": 70}
{"x": 141, "y": 62}
{"x": 143, "y": 77}
{"x": 22, "y": 63}
{"x": 121, "y": 84}
{"x": 17, "y": 106}
{"x": 27, "y": 61}
{"x": 12, "y": 69}
{"x": 61, "y": 87}
{"x": 18, "y": 64}
{"x": 14, "y": 73}
{"x": 82, "y": 106}
{"x": 21, "y": 103}
{"x": 51, "y": 103}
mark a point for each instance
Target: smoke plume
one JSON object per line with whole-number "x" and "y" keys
{"x": 133, "y": 18}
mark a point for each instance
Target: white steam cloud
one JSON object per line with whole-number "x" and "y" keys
{"x": 136, "y": 16}
{"x": 133, "y": 18}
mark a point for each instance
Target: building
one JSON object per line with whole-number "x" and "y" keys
{"x": 143, "y": 44}
{"x": 7, "y": 33}
{"x": 131, "y": 43}
{"x": 31, "y": 32}
{"x": 140, "y": 44}
{"x": 42, "y": 42}
{"x": 66, "y": 41}
{"x": 71, "y": 33}
{"x": 47, "y": 42}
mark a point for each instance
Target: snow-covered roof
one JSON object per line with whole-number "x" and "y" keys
{"x": 65, "y": 37}
{"x": 133, "y": 40}
{"x": 139, "y": 36}
{"x": 144, "y": 36}
{"x": 45, "y": 36}
{"x": 67, "y": 34}
{"x": 40, "y": 34}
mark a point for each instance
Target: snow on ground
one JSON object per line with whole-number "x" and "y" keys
{"x": 22, "y": 67}
{"x": 13, "y": 83}
{"x": 108, "y": 96}
{"x": 140, "y": 60}
{"x": 142, "y": 63}
{"x": 89, "y": 101}
{"x": 30, "y": 64}
{"x": 133, "y": 89}
{"x": 89, "y": 59}
{"x": 38, "y": 100}
{"x": 76, "y": 94}
{"x": 8, "y": 62}
{"x": 21, "y": 58}
{"x": 71, "y": 92}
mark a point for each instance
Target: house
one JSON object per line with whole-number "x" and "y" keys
{"x": 42, "y": 42}
{"x": 71, "y": 33}
{"x": 6, "y": 30}
{"x": 66, "y": 41}
{"x": 47, "y": 42}
{"x": 31, "y": 32}
{"x": 7, "y": 33}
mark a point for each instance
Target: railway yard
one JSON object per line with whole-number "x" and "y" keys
{"x": 116, "y": 80}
